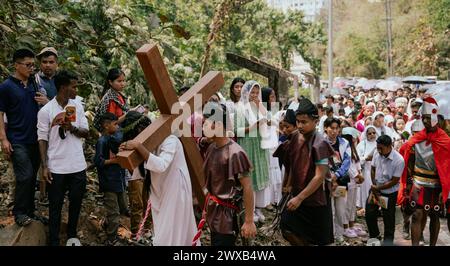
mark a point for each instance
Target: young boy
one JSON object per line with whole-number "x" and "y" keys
{"x": 289, "y": 127}
{"x": 307, "y": 219}
{"x": 227, "y": 169}
{"x": 111, "y": 176}
{"x": 339, "y": 164}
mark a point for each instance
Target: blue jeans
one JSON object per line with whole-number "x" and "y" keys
{"x": 25, "y": 159}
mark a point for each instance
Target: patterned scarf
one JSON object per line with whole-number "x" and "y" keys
{"x": 110, "y": 95}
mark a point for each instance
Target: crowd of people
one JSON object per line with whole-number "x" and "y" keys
{"x": 317, "y": 166}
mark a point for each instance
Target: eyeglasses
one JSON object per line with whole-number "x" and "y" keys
{"x": 28, "y": 65}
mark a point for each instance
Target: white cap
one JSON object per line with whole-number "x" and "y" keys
{"x": 401, "y": 101}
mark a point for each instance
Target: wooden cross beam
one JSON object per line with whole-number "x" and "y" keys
{"x": 162, "y": 88}
{"x": 277, "y": 81}
{"x": 278, "y": 77}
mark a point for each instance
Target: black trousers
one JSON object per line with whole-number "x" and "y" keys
{"x": 222, "y": 240}
{"x": 388, "y": 219}
{"x": 75, "y": 184}
{"x": 25, "y": 159}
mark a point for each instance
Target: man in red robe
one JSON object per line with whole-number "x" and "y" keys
{"x": 431, "y": 180}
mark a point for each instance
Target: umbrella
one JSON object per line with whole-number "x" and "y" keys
{"x": 336, "y": 91}
{"x": 396, "y": 79}
{"x": 360, "y": 82}
{"x": 441, "y": 93}
{"x": 417, "y": 80}
{"x": 388, "y": 85}
{"x": 369, "y": 84}
{"x": 340, "y": 84}
{"x": 343, "y": 83}
{"x": 437, "y": 88}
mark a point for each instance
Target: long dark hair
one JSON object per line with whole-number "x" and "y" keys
{"x": 113, "y": 74}
{"x": 265, "y": 93}
{"x": 232, "y": 95}
{"x": 133, "y": 124}
{"x": 349, "y": 138}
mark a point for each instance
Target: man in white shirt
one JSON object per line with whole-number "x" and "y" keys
{"x": 327, "y": 113}
{"x": 61, "y": 125}
{"x": 387, "y": 168}
{"x": 350, "y": 106}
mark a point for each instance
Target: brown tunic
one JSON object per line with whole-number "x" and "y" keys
{"x": 299, "y": 155}
{"x": 222, "y": 167}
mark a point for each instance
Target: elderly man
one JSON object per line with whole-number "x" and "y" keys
{"x": 400, "y": 104}
{"x": 379, "y": 124}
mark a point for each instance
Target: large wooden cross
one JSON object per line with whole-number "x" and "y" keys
{"x": 162, "y": 88}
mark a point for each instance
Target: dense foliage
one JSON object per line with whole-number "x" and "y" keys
{"x": 95, "y": 35}
{"x": 420, "y": 38}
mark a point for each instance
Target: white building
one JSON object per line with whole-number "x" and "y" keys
{"x": 310, "y": 8}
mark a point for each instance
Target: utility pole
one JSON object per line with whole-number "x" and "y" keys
{"x": 330, "y": 44}
{"x": 389, "y": 60}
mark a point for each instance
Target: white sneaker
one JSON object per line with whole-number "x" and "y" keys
{"x": 261, "y": 216}
{"x": 358, "y": 231}
{"x": 349, "y": 233}
{"x": 73, "y": 242}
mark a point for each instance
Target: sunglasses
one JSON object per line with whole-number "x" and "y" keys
{"x": 29, "y": 65}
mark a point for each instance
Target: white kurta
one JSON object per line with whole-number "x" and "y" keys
{"x": 171, "y": 195}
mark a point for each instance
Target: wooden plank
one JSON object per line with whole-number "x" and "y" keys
{"x": 157, "y": 77}
{"x": 151, "y": 137}
{"x": 194, "y": 162}
{"x": 249, "y": 64}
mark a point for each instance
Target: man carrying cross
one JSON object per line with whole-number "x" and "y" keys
{"x": 171, "y": 191}
{"x": 160, "y": 151}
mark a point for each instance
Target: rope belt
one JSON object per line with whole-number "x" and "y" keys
{"x": 202, "y": 222}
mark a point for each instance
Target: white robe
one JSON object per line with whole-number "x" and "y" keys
{"x": 171, "y": 195}
{"x": 365, "y": 148}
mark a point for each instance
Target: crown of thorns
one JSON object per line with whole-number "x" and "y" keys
{"x": 133, "y": 125}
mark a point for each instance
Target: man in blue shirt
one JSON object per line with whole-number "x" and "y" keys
{"x": 48, "y": 60}
{"x": 45, "y": 78}
{"x": 18, "y": 100}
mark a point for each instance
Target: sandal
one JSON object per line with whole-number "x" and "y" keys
{"x": 23, "y": 220}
